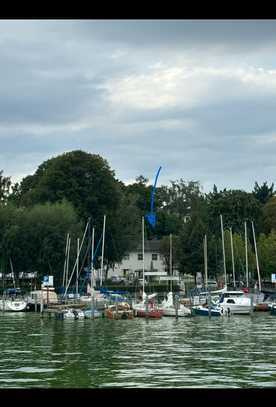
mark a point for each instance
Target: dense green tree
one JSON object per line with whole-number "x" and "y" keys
{"x": 83, "y": 179}
{"x": 34, "y": 238}
{"x": 266, "y": 247}
{"x": 263, "y": 192}
{"x": 5, "y": 186}
{"x": 269, "y": 215}
{"x": 235, "y": 206}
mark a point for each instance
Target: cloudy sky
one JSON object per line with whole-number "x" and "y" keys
{"x": 197, "y": 97}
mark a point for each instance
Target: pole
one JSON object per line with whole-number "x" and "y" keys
{"x": 205, "y": 262}
{"x": 102, "y": 259}
{"x": 171, "y": 270}
{"x": 257, "y": 261}
{"x": 223, "y": 252}
{"x": 76, "y": 261}
{"x": 92, "y": 274}
{"x": 65, "y": 260}
{"x": 246, "y": 255}
{"x": 77, "y": 270}
{"x": 232, "y": 253}
{"x": 143, "y": 252}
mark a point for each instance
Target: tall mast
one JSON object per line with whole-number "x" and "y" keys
{"x": 143, "y": 251}
{"x": 232, "y": 253}
{"x": 171, "y": 270}
{"x": 102, "y": 259}
{"x": 257, "y": 261}
{"x": 68, "y": 283}
{"x": 246, "y": 255}
{"x": 92, "y": 260}
{"x": 205, "y": 261}
{"x": 223, "y": 251}
{"x": 65, "y": 260}
{"x": 77, "y": 271}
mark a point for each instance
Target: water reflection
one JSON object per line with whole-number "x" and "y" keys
{"x": 189, "y": 352}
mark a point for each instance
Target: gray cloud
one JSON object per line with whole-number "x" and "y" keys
{"x": 197, "y": 97}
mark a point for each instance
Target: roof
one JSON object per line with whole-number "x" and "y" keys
{"x": 150, "y": 246}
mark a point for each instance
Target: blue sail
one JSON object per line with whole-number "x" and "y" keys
{"x": 151, "y": 216}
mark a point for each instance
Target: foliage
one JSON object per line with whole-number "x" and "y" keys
{"x": 263, "y": 193}
{"x": 5, "y": 185}
{"x": 35, "y": 238}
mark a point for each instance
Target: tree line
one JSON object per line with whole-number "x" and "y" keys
{"x": 65, "y": 191}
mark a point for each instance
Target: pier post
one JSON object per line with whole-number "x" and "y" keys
{"x": 176, "y": 305}
{"x": 41, "y": 303}
{"x": 209, "y": 305}
{"x": 251, "y": 305}
{"x": 35, "y": 298}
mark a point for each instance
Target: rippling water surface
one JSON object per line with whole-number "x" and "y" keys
{"x": 192, "y": 352}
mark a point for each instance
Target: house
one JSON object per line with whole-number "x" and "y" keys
{"x": 131, "y": 265}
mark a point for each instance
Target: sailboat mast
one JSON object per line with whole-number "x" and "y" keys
{"x": 232, "y": 253}
{"x": 102, "y": 258}
{"x": 257, "y": 261}
{"x": 205, "y": 261}
{"x": 92, "y": 259}
{"x": 143, "y": 251}
{"x": 171, "y": 270}
{"x": 65, "y": 260}
{"x": 77, "y": 271}
{"x": 223, "y": 251}
{"x": 246, "y": 254}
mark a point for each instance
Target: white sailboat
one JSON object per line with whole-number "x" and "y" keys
{"x": 146, "y": 307}
{"x": 12, "y": 305}
{"x": 234, "y": 302}
{"x": 168, "y": 307}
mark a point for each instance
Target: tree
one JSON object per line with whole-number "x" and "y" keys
{"x": 263, "y": 193}
{"x": 267, "y": 254}
{"x": 269, "y": 215}
{"x": 83, "y": 179}
{"x": 5, "y": 185}
{"x": 34, "y": 238}
{"x": 235, "y": 206}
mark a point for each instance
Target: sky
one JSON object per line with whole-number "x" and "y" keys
{"x": 197, "y": 97}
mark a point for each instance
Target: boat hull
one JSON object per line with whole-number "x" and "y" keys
{"x": 155, "y": 314}
{"x": 13, "y": 305}
{"x": 202, "y": 311}
{"x": 171, "y": 312}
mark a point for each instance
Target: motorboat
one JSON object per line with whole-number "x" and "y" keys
{"x": 73, "y": 314}
{"x": 121, "y": 310}
{"x": 235, "y": 302}
{"x": 89, "y": 313}
{"x": 169, "y": 308}
{"x": 204, "y": 310}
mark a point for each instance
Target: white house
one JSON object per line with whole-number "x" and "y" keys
{"x": 132, "y": 263}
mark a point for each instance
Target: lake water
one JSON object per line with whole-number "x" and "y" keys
{"x": 235, "y": 352}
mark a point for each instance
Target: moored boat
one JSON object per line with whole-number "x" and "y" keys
{"x": 119, "y": 311}
{"x": 205, "y": 311}
{"x": 169, "y": 308}
{"x": 14, "y": 305}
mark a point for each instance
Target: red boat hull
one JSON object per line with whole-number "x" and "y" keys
{"x": 149, "y": 314}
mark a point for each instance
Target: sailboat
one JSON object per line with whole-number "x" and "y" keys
{"x": 146, "y": 308}
{"x": 168, "y": 306}
{"x": 10, "y": 302}
{"x": 234, "y": 302}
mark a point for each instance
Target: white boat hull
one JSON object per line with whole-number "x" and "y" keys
{"x": 13, "y": 305}
{"x": 236, "y": 309}
{"x": 171, "y": 312}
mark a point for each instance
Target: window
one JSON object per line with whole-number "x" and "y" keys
{"x": 140, "y": 256}
{"x": 154, "y": 256}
